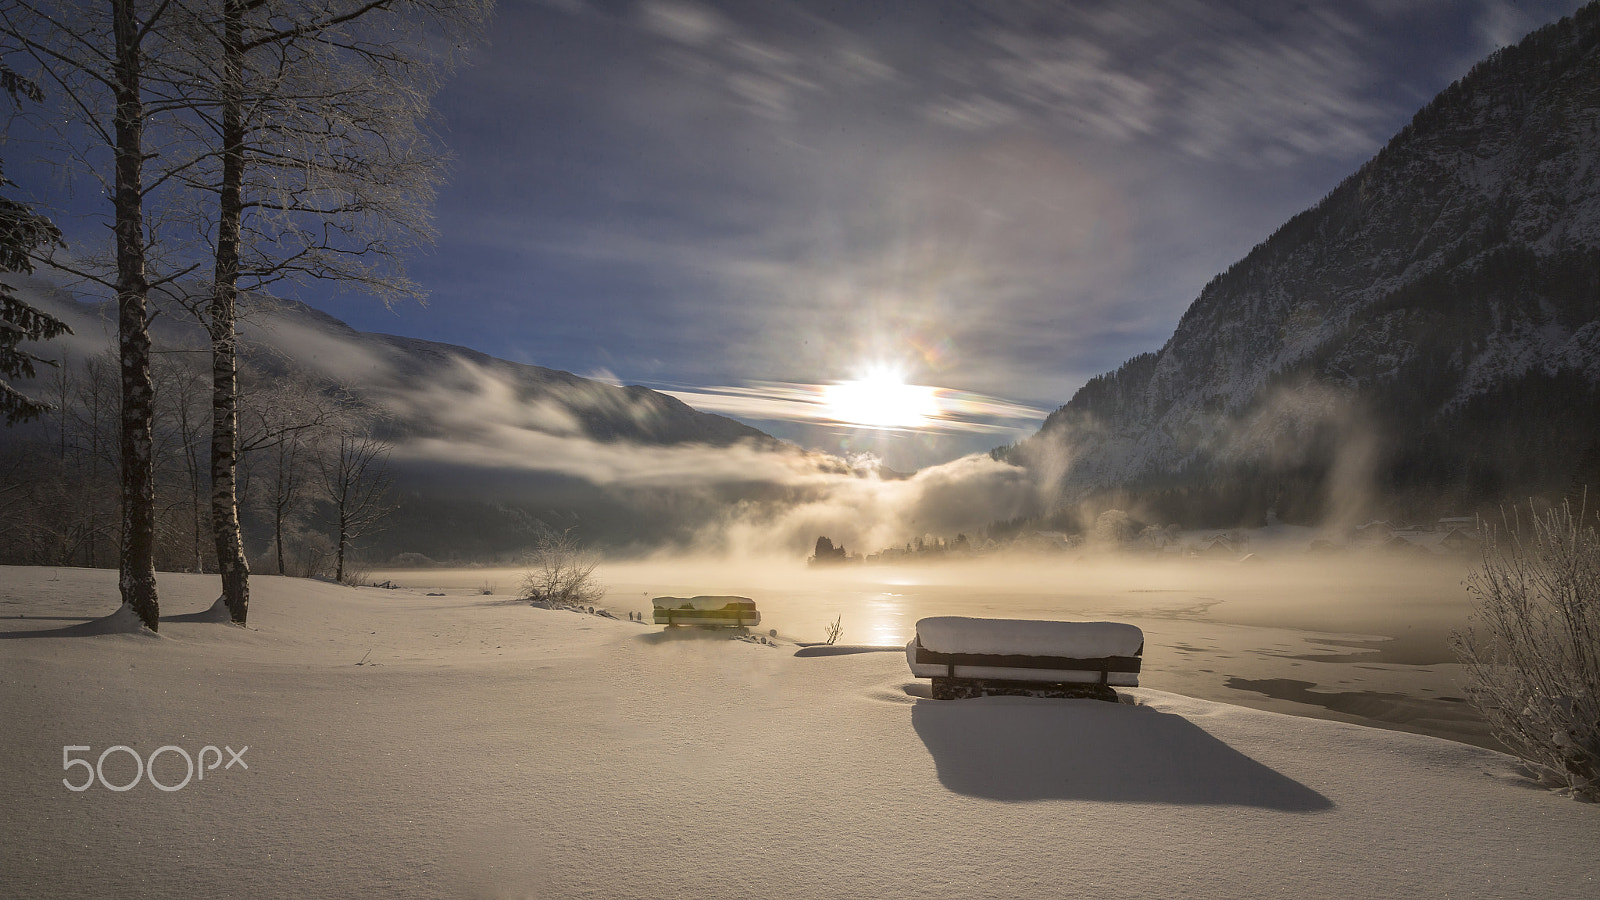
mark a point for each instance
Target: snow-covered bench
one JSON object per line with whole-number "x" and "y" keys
{"x": 973, "y": 657}
{"x": 725, "y": 611}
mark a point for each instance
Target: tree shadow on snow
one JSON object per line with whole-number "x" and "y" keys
{"x": 216, "y": 613}
{"x": 1015, "y": 749}
{"x": 83, "y": 629}
{"x": 122, "y": 621}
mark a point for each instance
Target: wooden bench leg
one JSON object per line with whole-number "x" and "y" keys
{"x": 966, "y": 688}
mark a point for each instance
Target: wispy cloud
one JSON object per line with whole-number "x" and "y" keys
{"x": 689, "y": 23}
{"x": 1210, "y": 79}
{"x": 750, "y": 66}
{"x": 954, "y": 411}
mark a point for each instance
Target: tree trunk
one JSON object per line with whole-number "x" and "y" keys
{"x": 283, "y": 491}
{"x": 277, "y": 535}
{"x": 221, "y": 317}
{"x": 137, "y": 578}
{"x": 344, "y": 538}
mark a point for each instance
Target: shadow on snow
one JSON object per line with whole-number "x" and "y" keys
{"x": 1016, "y": 749}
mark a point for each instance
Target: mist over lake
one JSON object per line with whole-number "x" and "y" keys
{"x": 1359, "y": 638}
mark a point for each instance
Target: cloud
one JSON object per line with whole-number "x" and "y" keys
{"x": 490, "y": 425}
{"x": 976, "y": 268}
{"x": 742, "y": 499}
{"x": 954, "y": 411}
{"x": 1500, "y": 24}
{"x": 971, "y": 113}
{"x": 93, "y": 328}
{"x": 687, "y": 23}
{"x": 482, "y": 425}
{"x": 766, "y": 61}
{"x": 315, "y": 348}
{"x": 867, "y": 514}
{"x": 1258, "y": 87}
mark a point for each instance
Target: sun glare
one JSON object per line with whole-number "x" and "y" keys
{"x": 881, "y": 401}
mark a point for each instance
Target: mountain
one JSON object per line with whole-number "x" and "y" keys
{"x": 425, "y": 388}
{"x": 386, "y": 368}
{"x": 1427, "y": 337}
{"x": 486, "y": 454}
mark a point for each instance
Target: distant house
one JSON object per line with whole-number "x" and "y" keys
{"x": 1459, "y": 541}
{"x": 1221, "y": 546}
{"x": 1374, "y": 533}
{"x": 1405, "y": 545}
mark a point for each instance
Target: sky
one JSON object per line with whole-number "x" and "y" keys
{"x": 742, "y": 203}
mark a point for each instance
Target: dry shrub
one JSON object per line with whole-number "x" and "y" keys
{"x": 561, "y": 574}
{"x": 1532, "y": 651}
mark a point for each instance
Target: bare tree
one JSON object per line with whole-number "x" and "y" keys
{"x": 80, "y": 507}
{"x": 319, "y": 167}
{"x": 97, "y": 58}
{"x": 182, "y": 429}
{"x": 302, "y": 119}
{"x": 284, "y": 490}
{"x": 281, "y": 422}
{"x": 353, "y": 480}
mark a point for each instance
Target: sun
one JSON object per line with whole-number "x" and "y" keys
{"x": 881, "y": 400}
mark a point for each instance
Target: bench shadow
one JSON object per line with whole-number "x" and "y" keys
{"x": 1019, "y": 750}
{"x": 691, "y": 633}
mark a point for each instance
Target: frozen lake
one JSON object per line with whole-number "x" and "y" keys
{"x": 1359, "y": 638}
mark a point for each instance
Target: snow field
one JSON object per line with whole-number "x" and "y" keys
{"x": 488, "y": 749}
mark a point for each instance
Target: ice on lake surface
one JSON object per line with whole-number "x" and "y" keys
{"x": 1359, "y": 638}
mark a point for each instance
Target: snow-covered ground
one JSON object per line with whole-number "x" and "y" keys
{"x": 401, "y": 744}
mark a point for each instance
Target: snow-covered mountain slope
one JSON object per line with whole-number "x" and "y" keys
{"x": 1442, "y": 305}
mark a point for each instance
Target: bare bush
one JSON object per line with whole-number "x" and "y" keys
{"x": 307, "y": 553}
{"x": 835, "y": 628}
{"x": 561, "y": 573}
{"x": 357, "y": 573}
{"x": 1532, "y": 651}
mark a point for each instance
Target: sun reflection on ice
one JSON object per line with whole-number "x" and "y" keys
{"x": 888, "y": 623}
